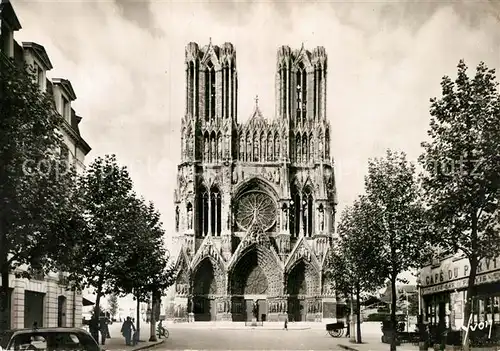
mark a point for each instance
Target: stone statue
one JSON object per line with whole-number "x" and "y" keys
{"x": 190, "y": 218}
{"x": 285, "y": 218}
{"x": 177, "y": 219}
{"x": 255, "y": 309}
{"x": 321, "y": 219}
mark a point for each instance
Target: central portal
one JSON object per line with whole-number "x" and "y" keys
{"x": 253, "y": 280}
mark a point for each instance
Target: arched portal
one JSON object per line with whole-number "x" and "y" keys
{"x": 255, "y": 277}
{"x": 204, "y": 285}
{"x": 302, "y": 280}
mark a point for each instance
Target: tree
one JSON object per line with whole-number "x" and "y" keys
{"x": 36, "y": 181}
{"x": 113, "y": 305}
{"x": 352, "y": 257}
{"x": 96, "y": 252}
{"x": 152, "y": 272}
{"x": 462, "y": 168}
{"x": 397, "y": 218}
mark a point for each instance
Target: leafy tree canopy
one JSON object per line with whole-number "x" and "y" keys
{"x": 149, "y": 269}
{"x": 106, "y": 201}
{"x": 462, "y": 163}
{"x": 36, "y": 183}
{"x": 352, "y": 257}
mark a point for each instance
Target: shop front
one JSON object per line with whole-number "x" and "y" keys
{"x": 443, "y": 291}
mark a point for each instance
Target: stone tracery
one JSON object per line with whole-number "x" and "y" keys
{"x": 260, "y": 157}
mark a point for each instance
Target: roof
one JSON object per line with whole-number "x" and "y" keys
{"x": 256, "y": 119}
{"x": 66, "y": 86}
{"x": 9, "y": 15}
{"x": 40, "y": 53}
{"x": 47, "y": 330}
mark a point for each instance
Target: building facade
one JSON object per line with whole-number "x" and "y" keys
{"x": 44, "y": 299}
{"x": 255, "y": 201}
{"x": 444, "y": 284}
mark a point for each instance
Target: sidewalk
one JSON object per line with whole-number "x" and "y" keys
{"x": 116, "y": 344}
{"x": 372, "y": 344}
{"x": 241, "y": 325}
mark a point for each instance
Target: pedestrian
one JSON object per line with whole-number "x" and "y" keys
{"x": 103, "y": 328}
{"x": 286, "y": 323}
{"x": 94, "y": 328}
{"x": 127, "y": 328}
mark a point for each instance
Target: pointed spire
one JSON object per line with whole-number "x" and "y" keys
{"x": 210, "y": 41}
{"x": 256, "y": 101}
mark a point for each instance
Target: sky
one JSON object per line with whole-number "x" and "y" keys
{"x": 125, "y": 60}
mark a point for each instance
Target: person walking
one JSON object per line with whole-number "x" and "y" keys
{"x": 127, "y": 329}
{"x": 103, "y": 330}
{"x": 286, "y": 323}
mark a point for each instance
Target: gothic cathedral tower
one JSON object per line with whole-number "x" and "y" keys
{"x": 255, "y": 202}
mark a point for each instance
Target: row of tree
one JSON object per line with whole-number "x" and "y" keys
{"x": 453, "y": 204}
{"x": 91, "y": 225}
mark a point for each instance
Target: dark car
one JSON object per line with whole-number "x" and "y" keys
{"x": 48, "y": 339}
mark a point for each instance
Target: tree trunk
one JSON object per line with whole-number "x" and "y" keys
{"x": 97, "y": 309}
{"x": 4, "y": 289}
{"x": 352, "y": 322}
{"x": 138, "y": 319}
{"x": 358, "y": 317}
{"x": 152, "y": 318}
{"x": 393, "y": 314}
{"x": 94, "y": 330}
{"x": 473, "y": 262}
{"x": 4, "y": 301}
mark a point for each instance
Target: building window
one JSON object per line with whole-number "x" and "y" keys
{"x": 65, "y": 108}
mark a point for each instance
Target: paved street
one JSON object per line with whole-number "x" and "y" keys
{"x": 206, "y": 336}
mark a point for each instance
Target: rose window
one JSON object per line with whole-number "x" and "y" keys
{"x": 255, "y": 207}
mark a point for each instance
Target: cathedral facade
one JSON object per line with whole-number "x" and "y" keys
{"x": 255, "y": 201}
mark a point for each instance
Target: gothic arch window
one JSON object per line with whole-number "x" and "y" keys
{"x": 298, "y": 79}
{"x": 295, "y": 212}
{"x": 255, "y": 147}
{"x": 206, "y": 147}
{"x": 249, "y": 148}
{"x": 219, "y": 146}
{"x": 298, "y": 143}
{"x": 276, "y": 146}
{"x": 226, "y": 90}
{"x": 301, "y": 93}
{"x": 270, "y": 144}
{"x": 177, "y": 219}
{"x": 311, "y": 147}
{"x": 191, "y": 88}
{"x": 320, "y": 91}
{"x": 262, "y": 146}
{"x": 327, "y": 143}
{"x": 215, "y": 211}
{"x": 242, "y": 147}
{"x": 284, "y": 89}
{"x": 315, "y": 92}
{"x": 202, "y": 211}
{"x": 307, "y": 212}
{"x": 207, "y": 94}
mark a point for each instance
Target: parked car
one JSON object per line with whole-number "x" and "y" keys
{"x": 52, "y": 339}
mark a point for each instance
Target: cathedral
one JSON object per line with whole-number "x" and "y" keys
{"x": 254, "y": 201}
